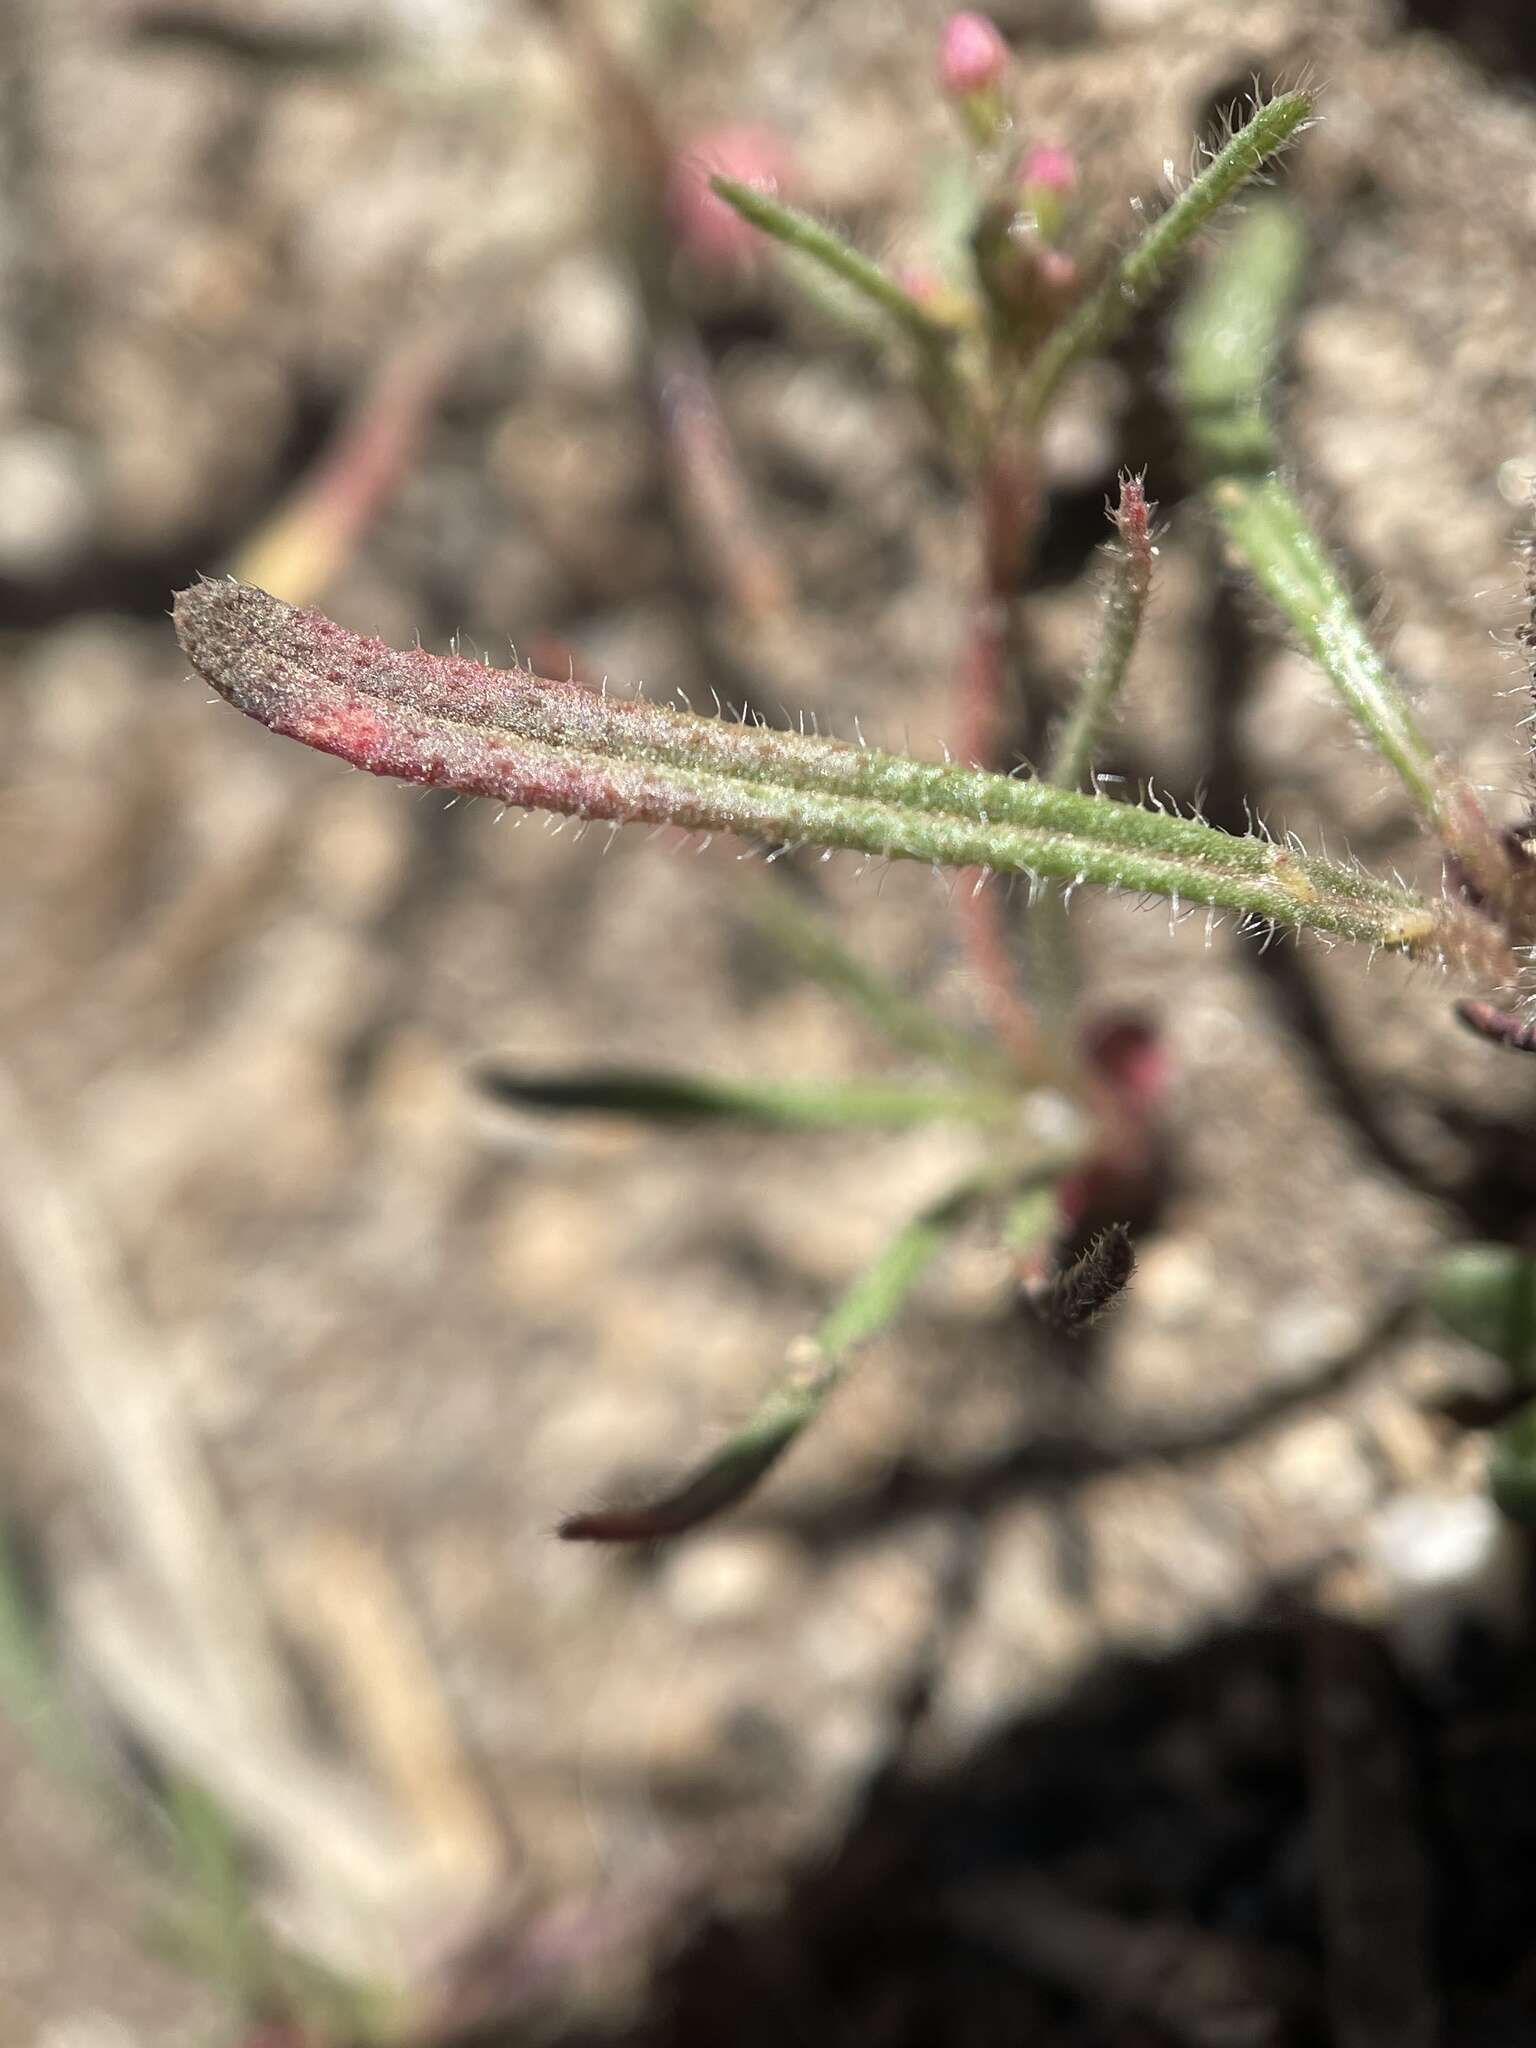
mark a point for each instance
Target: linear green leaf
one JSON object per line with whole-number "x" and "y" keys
{"x": 657, "y": 1097}
{"x": 445, "y": 722}
{"x": 1289, "y": 563}
{"x": 811, "y": 238}
{"x": 1145, "y": 267}
{"x": 803, "y": 935}
{"x": 817, "y": 1368}
{"x": 1486, "y": 1293}
{"x": 1226, "y": 343}
{"x": 1512, "y": 1466}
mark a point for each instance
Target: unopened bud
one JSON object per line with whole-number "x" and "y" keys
{"x": 1029, "y": 282}
{"x": 1048, "y": 168}
{"x": 1082, "y": 1290}
{"x": 972, "y": 55}
{"x": 1047, "y": 179}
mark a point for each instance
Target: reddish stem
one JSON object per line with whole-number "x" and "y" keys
{"x": 711, "y": 490}
{"x": 667, "y": 202}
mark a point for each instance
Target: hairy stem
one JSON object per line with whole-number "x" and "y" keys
{"x": 1053, "y": 969}
{"x": 1126, "y": 588}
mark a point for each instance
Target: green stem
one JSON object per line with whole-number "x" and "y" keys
{"x": 1053, "y": 967}
{"x": 1126, "y": 588}
{"x": 1143, "y": 270}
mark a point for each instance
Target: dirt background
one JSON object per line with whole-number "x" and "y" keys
{"x": 1098, "y": 1702}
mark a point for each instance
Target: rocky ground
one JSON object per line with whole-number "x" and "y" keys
{"x": 1081, "y": 1702}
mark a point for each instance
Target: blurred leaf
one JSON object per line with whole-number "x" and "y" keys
{"x": 1512, "y": 1466}
{"x": 31, "y": 1694}
{"x": 1227, "y": 336}
{"x": 230, "y": 31}
{"x": 952, "y": 200}
{"x": 267, "y": 45}
{"x": 26, "y": 1679}
{"x": 803, "y": 934}
{"x": 211, "y": 1921}
{"x": 203, "y": 1912}
{"x": 724, "y": 1478}
{"x": 823, "y": 246}
{"x": 308, "y": 540}
{"x": 1487, "y": 1294}
{"x": 768, "y": 1105}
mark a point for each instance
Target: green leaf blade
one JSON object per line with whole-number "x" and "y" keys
{"x": 652, "y": 1096}
{"x": 820, "y": 245}
{"x": 444, "y": 722}
{"x": 1145, "y": 268}
{"x": 817, "y": 1367}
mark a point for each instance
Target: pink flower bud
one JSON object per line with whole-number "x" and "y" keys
{"x": 1048, "y": 168}
{"x": 972, "y": 55}
{"x": 708, "y": 231}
